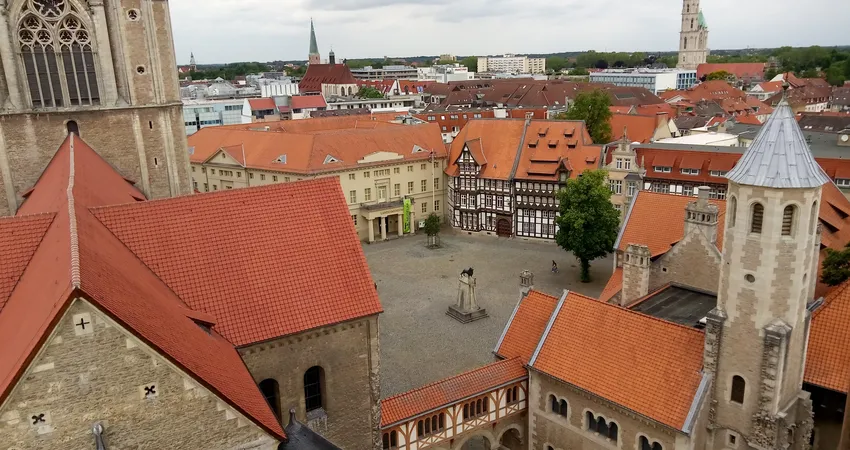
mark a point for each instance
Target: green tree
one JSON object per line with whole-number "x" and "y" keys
{"x": 835, "y": 75}
{"x": 579, "y": 72}
{"x": 719, "y": 75}
{"x": 369, "y": 92}
{"x": 588, "y": 223}
{"x": 471, "y": 63}
{"x": 556, "y": 63}
{"x": 593, "y": 108}
{"x": 432, "y": 229}
{"x": 836, "y": 266}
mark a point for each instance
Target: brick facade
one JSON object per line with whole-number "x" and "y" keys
{"x": 82, "y": 377}
{"x": 348, "y": 353}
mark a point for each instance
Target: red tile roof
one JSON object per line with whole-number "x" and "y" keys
{"x": 307, "y": 150}
{"x": 79, "y": 258}
{"x": 308, "y": 101}
{"x": 565, "y": 144}
{"x": 650, "y": 366}
{"x": 499, "y": 140}
{"x": 427, "y": 398}
{"x": 262, "y": 275}
{"x": 19, "y": 239}
{"x": 771, "y": 86}
{"x": 639, "y": 128}
{"x": 828, "y": 355}
{"x": 740, "y": 70}
{"x": 613, "y": 287}
{"x": 525, "y": 327}
{"x": 319, "y": 74}
{"x": 658, "y": 221}
{"x": 261, "y": 104}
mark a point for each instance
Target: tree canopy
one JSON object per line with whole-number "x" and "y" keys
{"x": 588, "y": 223}
{"x": 593, "y": 108}
{"x": 369, "y": 92}
{"x": 719, "y": 75}
{"x": 836, "y": 266}
{"x": 471, "y": 63}
{"x": 229, "y": 71}
{"x": 432, "y": 225}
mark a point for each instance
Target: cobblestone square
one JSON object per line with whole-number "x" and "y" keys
{"x": 419, "y": 342}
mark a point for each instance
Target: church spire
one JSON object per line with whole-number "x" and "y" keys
{"x": 313, "y": 57}
{"x": 779, "y": 156}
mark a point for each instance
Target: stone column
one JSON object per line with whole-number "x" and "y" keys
{"x": 15, "y": 100}
{"x": 383, "y": 223}
{"x": 371, "y": 230}
{"x": 401, "y": 224}
{"x": 108, "y": 88}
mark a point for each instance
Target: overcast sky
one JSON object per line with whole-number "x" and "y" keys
{"x": 220, "y": 31}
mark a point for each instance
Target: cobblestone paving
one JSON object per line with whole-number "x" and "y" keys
{"x": 419, "y": 342}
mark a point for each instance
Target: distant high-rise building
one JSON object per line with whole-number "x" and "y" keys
{"x": 693, "y": 39}
{"x": 314, "y": 56}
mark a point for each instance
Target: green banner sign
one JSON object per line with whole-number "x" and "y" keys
{"x": 406, "y": 215}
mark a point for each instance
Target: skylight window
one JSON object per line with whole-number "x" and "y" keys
{"x": 330, "y": 159}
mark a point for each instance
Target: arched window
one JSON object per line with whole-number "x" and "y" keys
{"x": 420, "y": 429}
{"x": 733, "y": 211}
{"x": 57, "y": 54}
{"x": 271, "y": 393}
{"x": 644, "y": 443}
{"x": 553, "y": 403}
{"x": 686, "y": 44}
{"x": 427, "y": 426}
{"x": 72, "y": 127}
{"x": 692, "y": 24}
{"x": 813, "y": 220}
{"x": 390, "y": 440}
{"x": 478, "y": 407}
{"x": 562, "y": 410}
{"x": 757, "y": 218}
{"x": 689, "y": 8}
{"x": 739, "y": 386}
{"x": 657, "y": 446}
{"x": 591, "y": 421}
{"x": 466, "y": 411}
{"x": 788, "y": 220}
{"x": 549, "y": 447}
{"x": 601, "y": 426}
{"x": 613, "y": 431}
{"x": 314, "y": 380}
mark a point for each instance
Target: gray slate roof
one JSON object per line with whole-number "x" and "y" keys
{"x": 779, "y": 156}
{"x": 299, "y": 437}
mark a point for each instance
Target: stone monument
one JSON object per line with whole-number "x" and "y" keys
{"x": 466, "y": 309}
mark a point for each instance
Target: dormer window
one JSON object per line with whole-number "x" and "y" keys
{"x": 553, "y": 144}
{"x": 542, "y": 132}
{"x": 533, "y": 144}
{"x": 662, "y": 169}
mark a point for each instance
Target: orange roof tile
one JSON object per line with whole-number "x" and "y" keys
{"x": 307, "y": 151}
{"x": 639, "y": 128}
{"x": 500, "y": 140}
{"x": 526, "y": 325}
{"x": 19, "y": 239}
{"x": 79, "y": 258}
{"x": 427, "y": 398}
{"x": 307, "y": 101}
{"x": 565, "y": 144}
{"x": 289, "y": 278}
{"x": 658, "y": 221}
{"x": 828, "y": 357}
{"x": 319, "y": 74}
{"x": 261, "y": 104}
{"x": 613, "y": 287}
{"x": 650, "y": 366}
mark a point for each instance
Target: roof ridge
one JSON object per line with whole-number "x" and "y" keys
{"x": 629, "y": 311}
{"x": 442, "y": 380}
{"x": 72, "y": 219}
{"x": 831, "y": 297}
{"x": 272, "y": 186}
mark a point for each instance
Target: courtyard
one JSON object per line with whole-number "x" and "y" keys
{"x": 419, "y": 342}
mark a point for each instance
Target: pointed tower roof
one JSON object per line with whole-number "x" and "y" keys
{"x": 314, "y": 47}
{"x": 779, "y": 156}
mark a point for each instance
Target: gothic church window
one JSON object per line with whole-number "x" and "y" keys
{"x": 733, "y": 205}
{"x": 686, "y": 44}
{"x": 271, "y": 393}
{"x": 313, "y": 384}
{"x": 757, "y": 218}
{"x": 57, "y": 55}
{"x": 646, "y": 445}
{"x": 739, "y": 387}
{"x": 813, "y": 220}
{"x": 788, "y": 220}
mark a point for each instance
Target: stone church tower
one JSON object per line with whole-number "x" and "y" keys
{"x": 104, "y": 69}
{"x": 693, "y": 39}
{"x": 756, "y": 337}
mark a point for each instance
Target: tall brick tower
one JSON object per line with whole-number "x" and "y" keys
{"x": 693, "y": 39}
{"x": 104, "y": 69}
{"x": 756, "y": 337}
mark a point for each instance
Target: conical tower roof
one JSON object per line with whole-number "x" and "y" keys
{"x": 779, "y": 156}
{"x": 314, "y": 47}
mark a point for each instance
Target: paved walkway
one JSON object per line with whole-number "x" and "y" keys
{"x": 419, "y": 342}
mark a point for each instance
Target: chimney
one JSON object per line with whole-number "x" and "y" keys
{"x": 636, "y": 263}
{"x": 702, "y": 215}
{"x": 526, "y": 283}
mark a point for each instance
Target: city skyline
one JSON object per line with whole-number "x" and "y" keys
{"x": 260, "y": 30}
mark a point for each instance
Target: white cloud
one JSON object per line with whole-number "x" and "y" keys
{"x": 264, "y": 30}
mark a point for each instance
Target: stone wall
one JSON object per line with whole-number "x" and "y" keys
{"x": 80, "y": 378}
{"x": 694, "y": 261}
{"x": 348, "y": 353}
{"x": 563, "y": 433}
{"x": 139, "y": 143}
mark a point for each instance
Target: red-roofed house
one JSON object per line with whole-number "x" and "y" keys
{"x": 329, "y": 80}
{"x": 127, "y": 305}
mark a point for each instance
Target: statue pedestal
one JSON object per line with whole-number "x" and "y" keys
{"x": 466, "y": 309}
